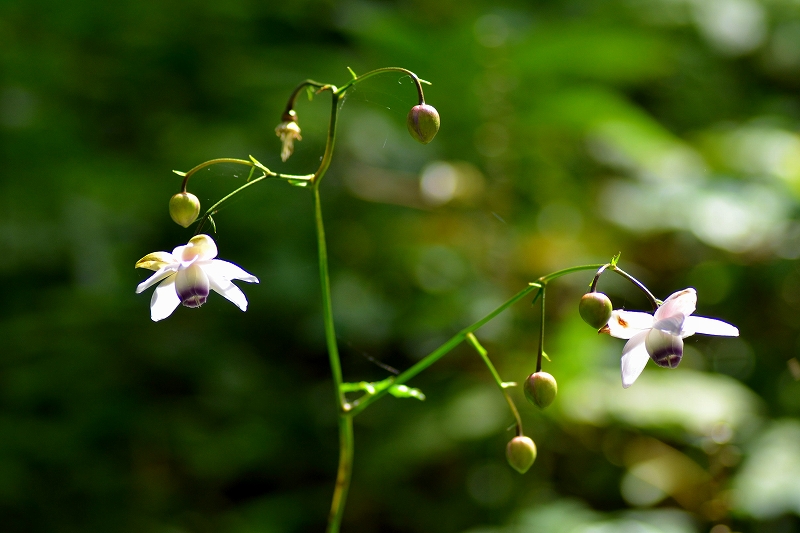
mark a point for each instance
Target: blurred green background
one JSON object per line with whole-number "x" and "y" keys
{"x": 571, "y": 130}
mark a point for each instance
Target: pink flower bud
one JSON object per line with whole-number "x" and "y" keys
{"x": 423, "y": 123}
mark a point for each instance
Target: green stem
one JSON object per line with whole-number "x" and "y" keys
{"x": 364, "y": 401}
{"x": 541, "y": 333}
{"x": 211, "y": 210}
{"x": 201, "y": 166}
{"x": 346, "y": 440}
{"x": 328, "y": 155}
{"x": 414, "y": 77}
{"x": 655, "y": 302}
{"x": 343, "y": 474}
{"x": 327, "y": 306}
{"x": 293, "y": 97}
{"x": 544, "y": 280}
{"x": 485, "y": 356}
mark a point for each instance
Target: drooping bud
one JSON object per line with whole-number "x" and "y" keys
{"x": 423, "y": 122}
{"x": 595, "y": 309}
{"x": 521, "y": 453}
{"x": 540, "y": 389}
{"x": 184, "y": 208}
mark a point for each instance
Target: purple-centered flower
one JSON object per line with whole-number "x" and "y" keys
{"x": 188, "y": 274}
{"x": 660, "y": 336}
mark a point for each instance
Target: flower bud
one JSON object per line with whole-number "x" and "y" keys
{"x": 540, "y": 389}
{"x": 423, "y": 123}
{"x": 184, "y": 208}
{"x": 595, "y": 309}
{"x": 521, "y": 453}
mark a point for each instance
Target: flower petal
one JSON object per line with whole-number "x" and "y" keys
{"x": 682, "y": 302}
{"x": 223, "y": 269}
{"x": 708, "y": 326}
{"x": 664, "y": 348}
{"x": 202, "y": 247}
{"x": 192, "y": 286}
{"x": 672, "y": 325}
{"x": 155, "y": 261}
{"x": 164, "y": 300}
{"x": 626, "y": 324}
{"x": 229, "y": 291}
{"x": 160, "y": 274}
{"x": 634, "y": 358}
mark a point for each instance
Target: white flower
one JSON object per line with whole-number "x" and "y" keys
{"x": 188, "y": 273}
{"x": 660, "y": 336}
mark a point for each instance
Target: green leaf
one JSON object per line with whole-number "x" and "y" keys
{"x": 250, "y": 175}
{"x": 257, "y": 163}
{"x": 615, "y": 259}
{"x": 310, "y": 92}
{"x": 213, "y": 224}
{"x": 179, "y": 173}
{"x": 352, "y": 73}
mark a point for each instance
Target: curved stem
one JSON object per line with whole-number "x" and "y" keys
{"x": 328, "y": 155}
{"x": 414, "y": 77}
{"x": 201, "y": 166}
{"x": 472, "y": 340}
{"x": 596, "y": 278}
{"x": 558, "y": 273}
{"x": 343, "y": 474}
{"x": 296, "y": 92}
{"x": 655, "y": 302}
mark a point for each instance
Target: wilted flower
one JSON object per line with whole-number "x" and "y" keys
{"x": 660, "y": 336}
{"x": 288, "y": 131}
{"x": 187, "y": 274}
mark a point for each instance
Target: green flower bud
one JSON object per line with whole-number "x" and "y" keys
{"x": 521, "y": 453}
{"x": 595, "y": 309}
{"x": 184, "y": 208}
{"x": 540, "y": 389}
{"x": 423, "y": 123}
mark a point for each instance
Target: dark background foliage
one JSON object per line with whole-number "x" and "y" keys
{"x": 571, "y": 130}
